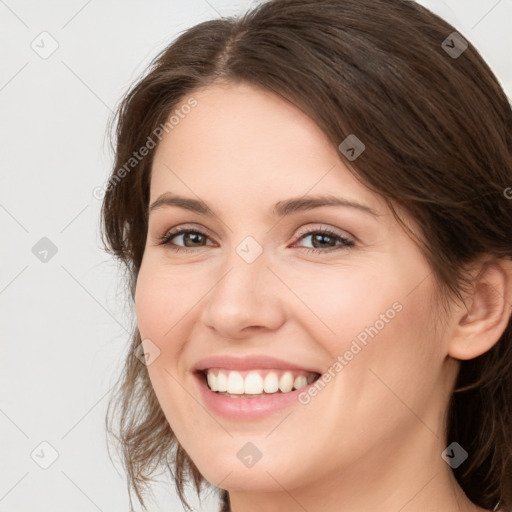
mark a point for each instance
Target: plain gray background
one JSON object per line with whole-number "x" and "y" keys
{"x": 64, "y": 319}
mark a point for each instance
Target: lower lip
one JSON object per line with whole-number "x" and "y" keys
{"x": 247, "y": 408}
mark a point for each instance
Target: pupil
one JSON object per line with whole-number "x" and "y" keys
{"x": 190, "y": 236}
{"x": 320, "y": 236}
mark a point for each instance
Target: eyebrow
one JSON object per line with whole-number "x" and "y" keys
{"x": 280, "y": 209}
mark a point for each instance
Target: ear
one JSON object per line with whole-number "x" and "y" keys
{"x": 478, "y": 328}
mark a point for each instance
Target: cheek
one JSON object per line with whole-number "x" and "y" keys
{"x": 160, "y": 304}
{"x": 151, "y": 304}
{"x": 393, "y": 359}
{"x": 376, "y": 327}
{"x": 161, "y": 300}
{"x": 338, "y": 303}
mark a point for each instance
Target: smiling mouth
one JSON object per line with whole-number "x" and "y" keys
{"x": 256, "y": 383}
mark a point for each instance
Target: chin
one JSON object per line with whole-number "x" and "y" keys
{"x": 230, "y": 473}
{"x": 251, "y": 480}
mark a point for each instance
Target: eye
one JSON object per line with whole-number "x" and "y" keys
{"x": 192, "y": 236}
{"x": 326, "y": 240}
{"x": 323, "y": 240}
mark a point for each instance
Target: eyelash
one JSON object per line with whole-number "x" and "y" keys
{"x": 345, "y": 242}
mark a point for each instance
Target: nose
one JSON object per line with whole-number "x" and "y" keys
{"x": 245, "y": 298}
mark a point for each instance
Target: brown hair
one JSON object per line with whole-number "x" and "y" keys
{"x": 437, "y": 131}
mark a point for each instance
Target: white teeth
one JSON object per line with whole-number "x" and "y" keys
{"x": 212, "y": 381}
{"x": 271, "y": 383}
{"x": 234, "y": 383}
{"x": 286, "y": 382}
{"x": 253, "y": 384}
{"x": 222, "y": 382}
{"x": 299, "y": 382}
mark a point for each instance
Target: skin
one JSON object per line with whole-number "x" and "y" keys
{"x": 372, "y": 438}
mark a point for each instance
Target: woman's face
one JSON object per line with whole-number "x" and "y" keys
{"x": 259, "y": 292}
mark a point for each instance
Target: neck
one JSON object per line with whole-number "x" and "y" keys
{"x": 407, "y": 475}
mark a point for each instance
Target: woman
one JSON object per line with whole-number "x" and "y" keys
{"x": 311, "y": 204}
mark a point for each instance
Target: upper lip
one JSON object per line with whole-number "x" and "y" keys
{"x": 253, "y": 362}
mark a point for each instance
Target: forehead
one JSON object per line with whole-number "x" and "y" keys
{"x": 241, "y": 143}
